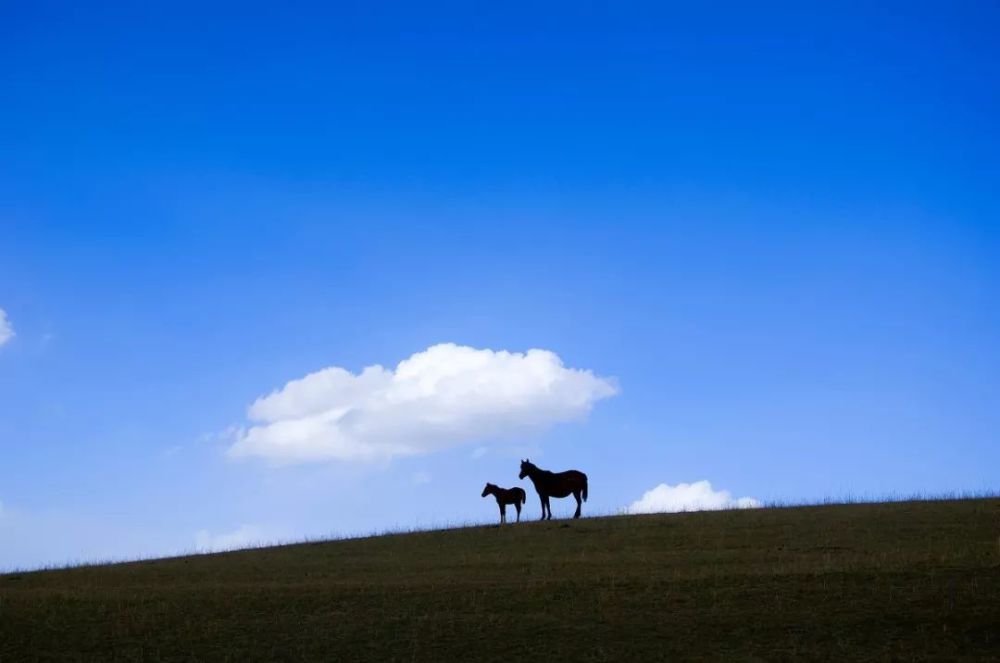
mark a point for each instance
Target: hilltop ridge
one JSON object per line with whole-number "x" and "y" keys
{"x": 915, "y": 580}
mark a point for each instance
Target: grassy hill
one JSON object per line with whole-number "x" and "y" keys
{"x": 909, "y": 580}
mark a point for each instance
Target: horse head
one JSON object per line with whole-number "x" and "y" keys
{"x": 527, "y": 467}
{"x": 488, "y": 489}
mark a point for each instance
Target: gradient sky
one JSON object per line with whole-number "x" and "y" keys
{"x": 776, "y": 227}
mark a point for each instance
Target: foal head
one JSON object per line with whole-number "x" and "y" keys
{"x": 488, "y": 489}
{"x": 527, "y": 467}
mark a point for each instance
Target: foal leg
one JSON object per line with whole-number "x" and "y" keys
{"x": 576, "y": 494}
{"x": 517, "y": 505}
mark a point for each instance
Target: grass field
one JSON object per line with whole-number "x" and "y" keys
{"x": 909, "y": 580}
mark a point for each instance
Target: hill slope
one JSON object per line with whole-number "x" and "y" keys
{"x": 870, "y": 581}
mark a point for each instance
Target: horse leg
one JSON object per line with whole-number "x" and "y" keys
{"x": 548, "y": 505}
{"x": 503, "y": 513}
{"x": 542, "y": 499}
{"x": 517, "y": 505}
{"x": 576, "y": 494}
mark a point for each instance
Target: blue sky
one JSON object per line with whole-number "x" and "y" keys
{"x": 774, "y": 230}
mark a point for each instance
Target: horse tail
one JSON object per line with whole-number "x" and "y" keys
{"x": 584, "y": 487}
{"x": 524, "y": 496}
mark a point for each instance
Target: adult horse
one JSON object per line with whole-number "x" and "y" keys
{"x": 504, "y": 497}
{"x": 555, "y": 484}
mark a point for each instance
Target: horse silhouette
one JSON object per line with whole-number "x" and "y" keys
{"x": 555, "y": 484}
{"x": 504, "y": 497}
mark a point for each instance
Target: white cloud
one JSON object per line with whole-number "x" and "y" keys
{"x": 445, "y": 396}
{"x": 697, "y": 496}
{"x": 420, "y": 478}
{"x": 6, "y": 329}
{"x": 245, "y": 536}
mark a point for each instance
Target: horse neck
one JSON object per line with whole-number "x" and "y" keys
{"x": 538, "y": 474}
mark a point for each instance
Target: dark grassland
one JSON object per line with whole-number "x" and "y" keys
{"x": 908, "y": 580}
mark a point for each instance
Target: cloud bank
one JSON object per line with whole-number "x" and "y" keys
{"x": 697, "y": 496}
{"x": 445, "y": 396}
{"x": 6, "y": 329}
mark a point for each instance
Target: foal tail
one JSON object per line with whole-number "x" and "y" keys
{"x": 584, "y": 487}
{"x": 524, "y": 497}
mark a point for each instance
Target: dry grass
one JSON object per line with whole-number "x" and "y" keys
{"x": 905, "y": 580}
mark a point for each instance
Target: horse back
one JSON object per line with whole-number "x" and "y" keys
{"x": 561, "y": 484}
{"x": 570, "y": 478}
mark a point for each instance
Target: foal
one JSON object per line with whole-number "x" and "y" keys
{"x": 504, "y": 497}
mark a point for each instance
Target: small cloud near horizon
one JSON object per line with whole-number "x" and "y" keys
{"x": 446, "y": 396}
{"x": 244, "y": 536}
{"x": 697, "y": 496}
{"x": 6, "y": 328}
